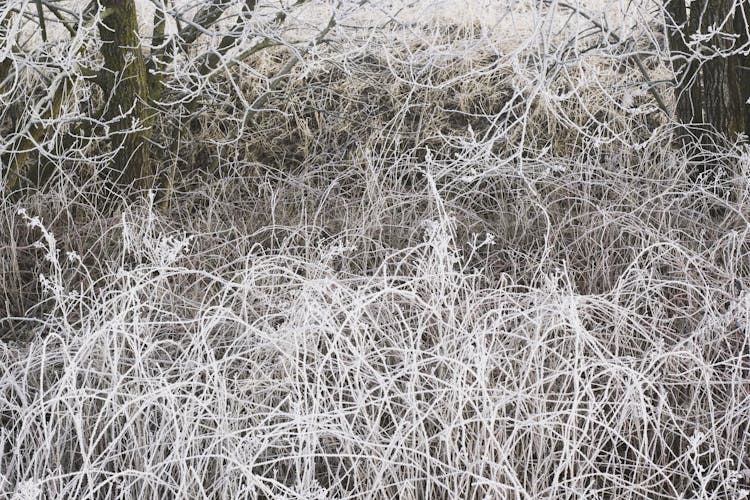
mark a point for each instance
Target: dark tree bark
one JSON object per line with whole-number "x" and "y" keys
{"x": 742, "y": 27}
{"x": 717, "y": 91}
{"x": 689, "y": 108}
{"x": 126, "y": 86}
{"x": 712, "y": 82}
{"x": 723, "y": 103}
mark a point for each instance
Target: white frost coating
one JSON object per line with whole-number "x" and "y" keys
{"x": 460, "y": 258}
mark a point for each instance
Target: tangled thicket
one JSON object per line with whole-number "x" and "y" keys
{"x": 454, "y": 257}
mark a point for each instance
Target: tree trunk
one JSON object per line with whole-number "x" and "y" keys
{"x": 723, "y": 103}
{"x": 126, "y": 87}
{"x": 5, "y": 63}
{"x": 742, "y": 27}
{"x": 15, "y": 161}
{"x": 687, "y": 92}
{"x": 715, "y": 93}
{"x": 712, "y": 84}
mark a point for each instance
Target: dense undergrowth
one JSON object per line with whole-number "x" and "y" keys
{"x": 440, "y": 268}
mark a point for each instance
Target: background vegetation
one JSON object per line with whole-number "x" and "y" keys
{"x": 374, "y": 250}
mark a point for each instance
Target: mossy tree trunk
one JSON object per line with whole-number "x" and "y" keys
{"x": 5, "y": 63}
{"x": 126, "y": 88}
{"x": 132, "y": 83}
{"x": 26, "y": 145}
